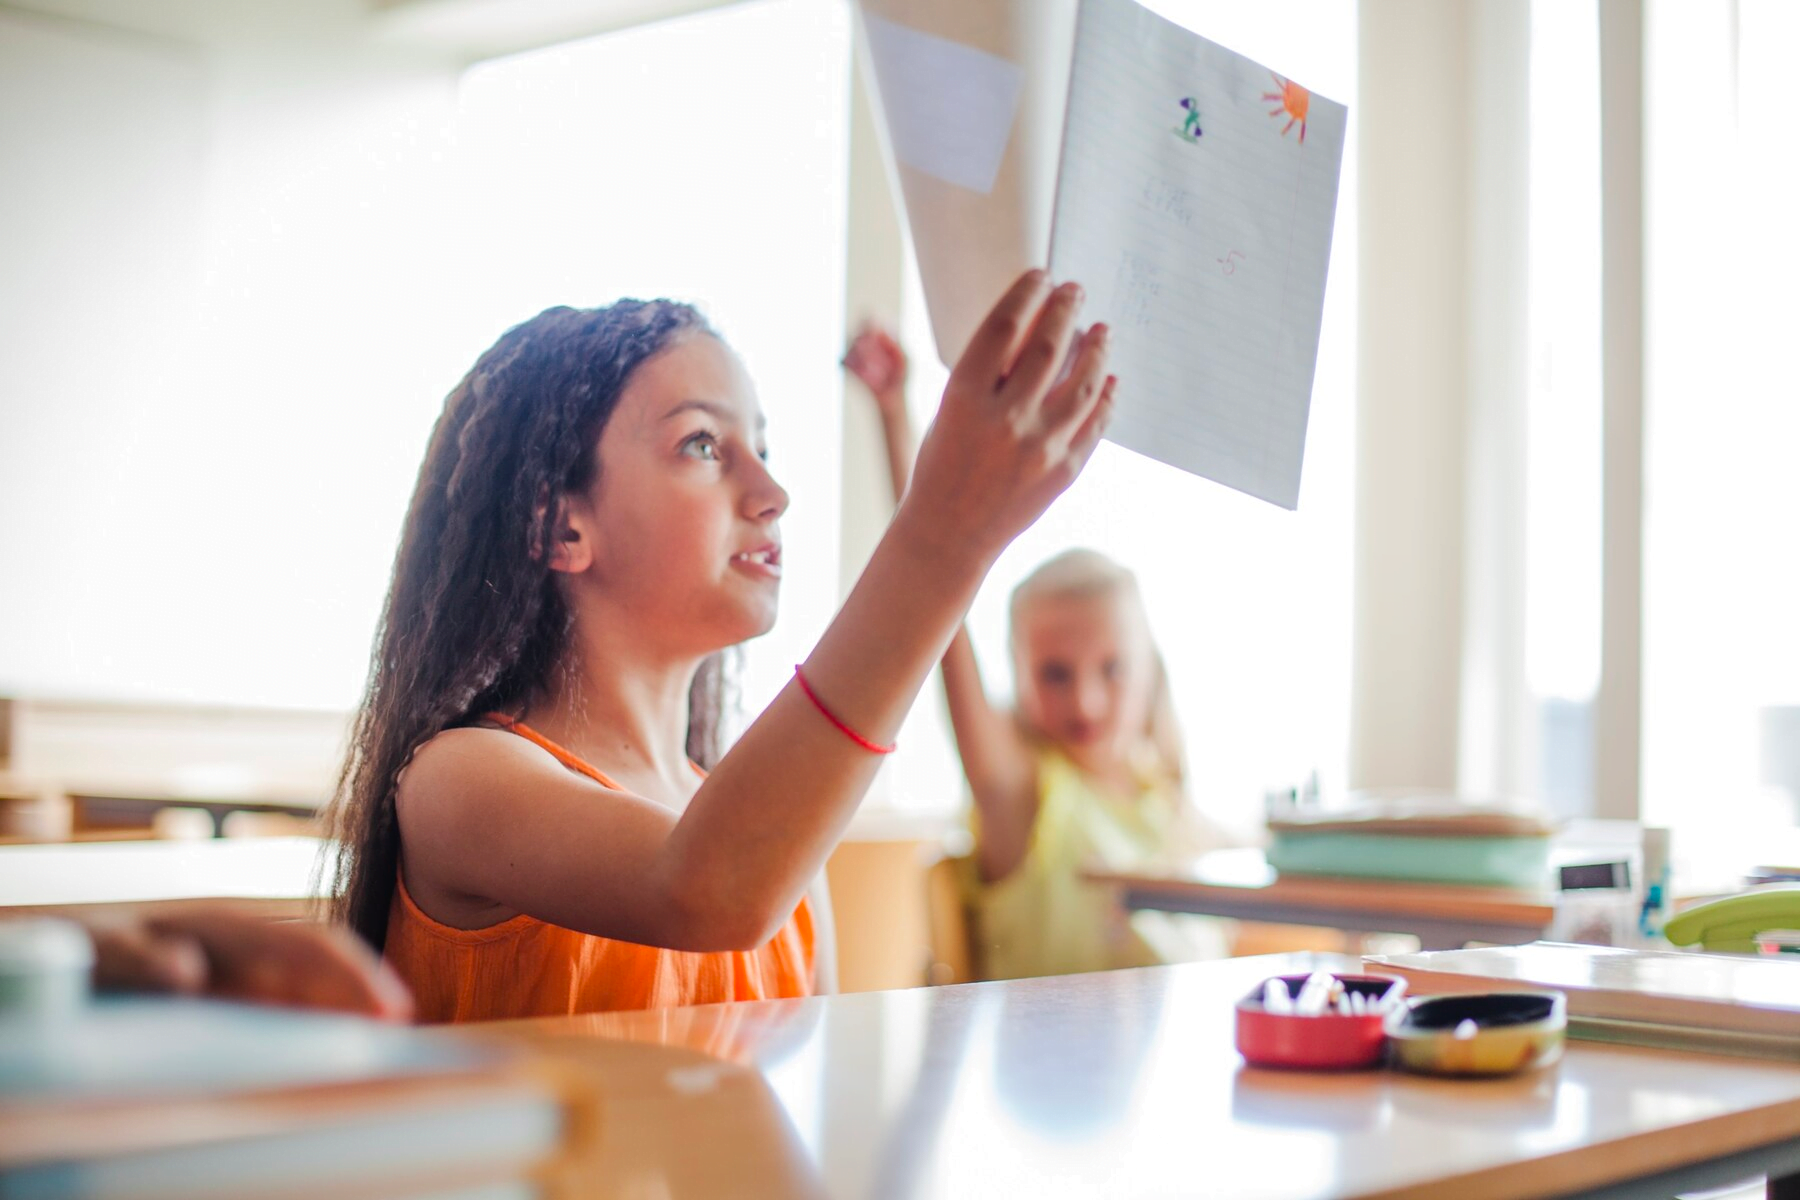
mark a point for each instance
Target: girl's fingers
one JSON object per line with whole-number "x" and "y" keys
{"x": 248, "y": 957}
{"x": 1070, "y": 402}
{"x": 128, "y": 957}
{"x": 338, "y": 973}
{"x": 390, "y": 998}
{"x": 1048, "y": 346}
{"x": 991, "y": 351}
{"x": 1098, "y": 418}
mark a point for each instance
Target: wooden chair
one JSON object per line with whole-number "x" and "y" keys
{"x": 246, "y": 823}
{"x": 1259, "y": 937}
{"x": 30, "y": 813}
{"x": 181, "y": 823}
{"x": 954, "y": 948}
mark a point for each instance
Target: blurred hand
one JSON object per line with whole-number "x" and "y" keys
{"x": 216, "y": 951}
{"x": 1009, "y": 438}
{"x": 878, "y": 361}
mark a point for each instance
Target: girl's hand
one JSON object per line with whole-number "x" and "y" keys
{"x": 1009, "y": 438}
{"x": 878, "y": 361}
{"x": 210, "y": 949}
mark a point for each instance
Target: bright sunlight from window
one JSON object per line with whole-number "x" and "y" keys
{"x": 245, "y": 305}
{"x": 666, "y": 161}
{"x": 1563, "y": 469}
{"x": 1722, "y": 579}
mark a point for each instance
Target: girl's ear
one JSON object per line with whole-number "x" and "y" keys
{"x": 571, "y": 539}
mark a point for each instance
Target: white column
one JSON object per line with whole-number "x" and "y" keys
{"x": 1618, "y": 705}
{"x": 1412, "y": 385}
{"x": 1497, "y": 744}
{"x": 874, "y": 270}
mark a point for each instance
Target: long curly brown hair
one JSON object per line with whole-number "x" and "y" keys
{"x": 474, "y": 621}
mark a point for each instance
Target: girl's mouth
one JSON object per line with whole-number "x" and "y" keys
{"x": 764, "y": 561}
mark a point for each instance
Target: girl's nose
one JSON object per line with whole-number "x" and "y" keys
{"x": 764, "y": 499}
{"x": 1090, "y": 699}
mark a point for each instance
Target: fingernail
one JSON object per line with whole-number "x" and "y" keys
{"x": 1074, "y": 293}
{"x": 1103, "y": 335}
{"x": 1037, "y": 275}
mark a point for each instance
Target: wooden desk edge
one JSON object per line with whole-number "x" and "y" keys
{"x": 1643, "y": 1156}
{"x": 1342, "y": 894}
{"x": 268, "y": 907}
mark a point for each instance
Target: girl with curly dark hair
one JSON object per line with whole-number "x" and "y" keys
{"x": 535, "y": 813}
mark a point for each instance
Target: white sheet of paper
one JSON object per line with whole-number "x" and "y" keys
{"x": 1203, "y": 243}
{"x": 949, "y": 107}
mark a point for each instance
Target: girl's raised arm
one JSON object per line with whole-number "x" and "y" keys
{"x": 995, "y": 759}
{"x": 728, "y": 871}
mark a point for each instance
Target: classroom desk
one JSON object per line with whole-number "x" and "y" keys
{"x": 105, "y": 808}
{"x": 1125, "y": 1084}
{"x": 269, "y": 875}
{"x": 90, "y": 806}
{"x": 1241, "y": 884}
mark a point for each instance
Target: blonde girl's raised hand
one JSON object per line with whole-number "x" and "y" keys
{"x": 878, "y": 362}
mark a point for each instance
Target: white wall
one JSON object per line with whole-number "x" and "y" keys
{"x": 102, "y": 137}
{"x": 1440, "y": 697}
{"x": 250, "y": 268}
{"x": 215, "y": 330}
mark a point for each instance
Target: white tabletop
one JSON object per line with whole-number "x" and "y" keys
{"x": 1119, "y": 1084}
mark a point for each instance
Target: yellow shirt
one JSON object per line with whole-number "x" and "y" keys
{"x": 1043, "y": 919}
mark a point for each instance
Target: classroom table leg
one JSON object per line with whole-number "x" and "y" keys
{"x": 1787, "y": 1187}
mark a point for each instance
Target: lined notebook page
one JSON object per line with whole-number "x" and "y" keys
{"x": 1195, "y": 203}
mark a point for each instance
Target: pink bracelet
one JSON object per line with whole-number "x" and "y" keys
{"x": 859, "y": 739}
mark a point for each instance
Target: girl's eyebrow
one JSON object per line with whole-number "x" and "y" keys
{"x": 717, "y": 412}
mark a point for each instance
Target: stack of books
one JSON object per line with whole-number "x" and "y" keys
{"x": 1418, "y": 837}
{"x": 160, "y": 1097}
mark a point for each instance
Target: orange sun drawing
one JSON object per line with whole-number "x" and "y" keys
{"x": 1290, "y": 101}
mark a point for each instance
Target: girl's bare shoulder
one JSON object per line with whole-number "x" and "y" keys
{"x": 474, "y": 762}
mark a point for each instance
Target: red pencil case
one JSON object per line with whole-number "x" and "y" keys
{"x": 1327, "y": 1041}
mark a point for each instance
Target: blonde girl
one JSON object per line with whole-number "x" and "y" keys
{"x": 1085, "y": 772}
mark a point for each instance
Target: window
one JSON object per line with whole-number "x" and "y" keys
{"x": 244, "y": 294}
{"x": 1722, "y": 578}
{"x": 1563, "y": 401}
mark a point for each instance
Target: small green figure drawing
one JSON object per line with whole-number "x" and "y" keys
{"x": 1190, "y": 128}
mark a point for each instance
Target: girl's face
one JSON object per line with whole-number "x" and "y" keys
{"x": 1087, "y": 674}
{"x": 681, "y": 521}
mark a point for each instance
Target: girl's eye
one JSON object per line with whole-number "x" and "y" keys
{"x": 1110, "y": 670}
{"x": 763, "y": 454}
{"x": 703, "y": 446}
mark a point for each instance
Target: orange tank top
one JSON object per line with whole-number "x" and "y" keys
{"x": 524, "y": 967}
